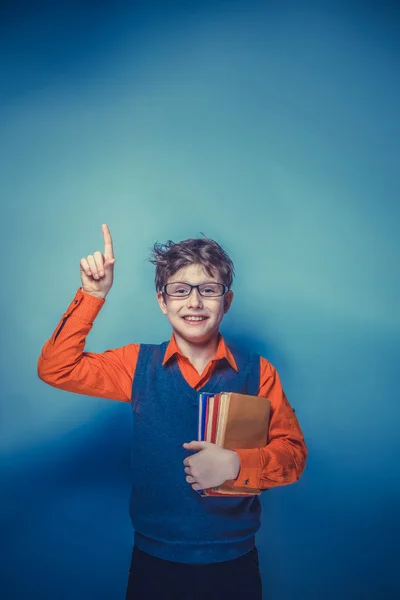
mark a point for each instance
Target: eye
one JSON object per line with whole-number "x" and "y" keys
{"x": 210, "y": 289}
{"x": 178, "y": 289}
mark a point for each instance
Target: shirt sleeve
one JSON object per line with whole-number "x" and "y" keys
{"x": 283, "y": 459}
{"x": 63, "y": 363}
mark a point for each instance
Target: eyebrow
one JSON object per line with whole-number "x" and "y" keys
{"x": 187, "y": 282}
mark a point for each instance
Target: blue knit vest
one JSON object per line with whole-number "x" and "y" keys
{"x": 171, "y": 521}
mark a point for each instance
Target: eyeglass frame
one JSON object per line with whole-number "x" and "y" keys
{"x": 226, "y": 289}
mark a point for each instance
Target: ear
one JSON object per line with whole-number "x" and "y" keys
{"x": 228, "y": 298}
{"x": 161, "y": 301}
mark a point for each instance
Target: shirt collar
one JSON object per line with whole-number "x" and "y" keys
{"x": 222, "y": 352}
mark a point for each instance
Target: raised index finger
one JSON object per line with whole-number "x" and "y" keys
{"x": 108, "y": 246}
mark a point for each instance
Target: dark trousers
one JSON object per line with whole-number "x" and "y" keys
{"x": 151, "y": 577}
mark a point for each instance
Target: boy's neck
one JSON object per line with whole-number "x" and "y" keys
{"x": 198, "y": 354}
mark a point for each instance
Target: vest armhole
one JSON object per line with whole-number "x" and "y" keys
{"x": 146, "y": 351}
{"x": 252, "y": 362}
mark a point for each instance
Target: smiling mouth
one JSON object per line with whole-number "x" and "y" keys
{"x": 194, "y": 319}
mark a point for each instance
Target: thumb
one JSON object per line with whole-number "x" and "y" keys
{"x": 195, "y": 445}
{"x": 109, "y": 264}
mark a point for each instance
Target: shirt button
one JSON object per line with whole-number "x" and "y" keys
{"x": 76, "y": 301}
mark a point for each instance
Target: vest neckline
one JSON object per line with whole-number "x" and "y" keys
{"x": 210, "y": 386}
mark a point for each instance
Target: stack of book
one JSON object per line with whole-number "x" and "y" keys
{"x": 233, "y": 421}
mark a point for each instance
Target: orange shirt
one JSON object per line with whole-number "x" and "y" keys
{"x": 64, "y": 365}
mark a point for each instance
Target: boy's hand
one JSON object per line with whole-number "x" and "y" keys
{"x": 211, "y": 466}
{"x": 97, "y": 270}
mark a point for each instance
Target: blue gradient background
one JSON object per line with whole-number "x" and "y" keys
{"x": 272, "y": 127}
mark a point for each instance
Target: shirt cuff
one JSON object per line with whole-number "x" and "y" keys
{"x": 85, "y": 306}
{"x": 250, "y": 469}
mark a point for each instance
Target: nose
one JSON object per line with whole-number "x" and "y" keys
{"x": 194, "y": 300}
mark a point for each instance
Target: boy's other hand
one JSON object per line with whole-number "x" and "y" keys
{"x": 97, "y": 269}
{"x": 211, "y": 466}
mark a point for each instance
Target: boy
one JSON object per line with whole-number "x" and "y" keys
{"x": 185, "y": 546}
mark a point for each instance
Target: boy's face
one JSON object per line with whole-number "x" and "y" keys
{"x": 179, "y": 309}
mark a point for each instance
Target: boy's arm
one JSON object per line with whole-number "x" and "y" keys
{"x": 283, "y": 459}
{"x": 64, "y": 364}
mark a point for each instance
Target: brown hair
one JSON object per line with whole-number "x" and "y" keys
{"x": 171, "y": 257}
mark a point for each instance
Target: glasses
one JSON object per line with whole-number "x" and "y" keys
{"x": 183, "y": 290}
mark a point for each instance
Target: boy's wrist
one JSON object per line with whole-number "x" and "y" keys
{"x": 235, "y": 464}
{"x": 99, "y": 295}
